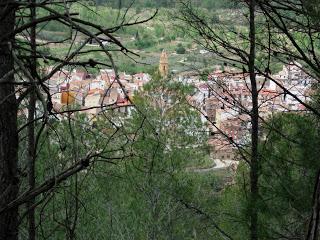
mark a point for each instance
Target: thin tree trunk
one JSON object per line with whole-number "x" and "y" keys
{"x": 313, "y": 231}
{"x": 254, "y": 163}
{"x": 31, "y": 126}
{"x": 9, "y": 181}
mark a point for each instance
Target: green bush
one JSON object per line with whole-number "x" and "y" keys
{"x": 159, "y": 31}
{"x": 145, "y": 41}
{"x": 180, "y": 49}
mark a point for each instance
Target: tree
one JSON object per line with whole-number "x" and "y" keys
{"x": 282, "y": 32}
{"x": 291, "y": 165}
{"x": 219, "y": 43}
{"x": 180, "y": 49}
{"x": 9, "y": 180}
{"x": 31, "y": 127}
{"x": 22, "y": 79}
{"x": 160, "y": 150}
{"x": 300, "y": 46}
{"x": 140, "y": 194}
{"x": 288, "y": 166}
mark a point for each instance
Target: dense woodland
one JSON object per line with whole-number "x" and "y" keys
{"x": 64, "y": 176}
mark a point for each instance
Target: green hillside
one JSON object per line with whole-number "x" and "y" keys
{"x": 209, "y": 4}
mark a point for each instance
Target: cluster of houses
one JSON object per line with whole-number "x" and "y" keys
{"x": 225, "y": 101}
{"x": 93, "y": 92}
{"x": 224, "y": 98}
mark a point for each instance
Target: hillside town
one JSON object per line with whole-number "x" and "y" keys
{"x": 225, "y": 103}
{"x": 223, "y": 99}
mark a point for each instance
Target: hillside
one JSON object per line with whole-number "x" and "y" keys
{"x": 147, "y": 40}
{"x": 208, "y": 4}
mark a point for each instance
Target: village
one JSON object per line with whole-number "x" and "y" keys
{"x": 223, "y": 100}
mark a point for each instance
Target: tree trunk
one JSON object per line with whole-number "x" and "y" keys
{"x": 31, "y": 126}
{"x": 9, "y": 181}
{"x": 313, "y": 231}
{"x": 254, "y": 163}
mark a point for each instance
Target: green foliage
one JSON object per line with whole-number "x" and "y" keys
{"x": 145, "y": 42}
{"x": 137, "y": 196}
{"x": 52, "y": 35}
{"x": 312, "y": 8}
{"x": 180, "y": 49}
{"x": 143, "y": 199}
{"x": 218, "y": 4}
{"x": 209, "y": 4}
{"x": 139, "y": 3}
{"x": 159, "y": 30}
{"x": 289, "y": 163}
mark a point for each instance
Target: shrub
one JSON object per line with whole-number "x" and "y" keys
{"x": 180, "y": 49}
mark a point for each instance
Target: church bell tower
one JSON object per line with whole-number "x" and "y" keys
{"x": 164, "y": 64}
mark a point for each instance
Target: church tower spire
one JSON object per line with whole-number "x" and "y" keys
{"x": 164, "y": 64}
